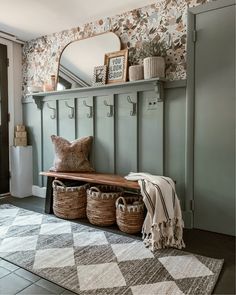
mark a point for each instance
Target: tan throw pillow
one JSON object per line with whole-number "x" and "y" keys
{"x": 72, "y": 156}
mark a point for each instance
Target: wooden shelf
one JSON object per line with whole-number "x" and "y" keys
{"x": 153, "y": 81}
{"x": 156, "y": 85}
{"x": 98, "y": 178}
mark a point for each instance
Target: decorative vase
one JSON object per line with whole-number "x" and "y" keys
{"x": 47, "y": 87}
{"x": 136, "y": 72}
{"x": 154, "y": 67}
{"x": 53, "y": 82}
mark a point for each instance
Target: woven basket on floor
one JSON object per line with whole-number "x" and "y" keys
{"x": 69, "y": 202}
{"x": 101, "y": 209}
{"x": 130, "y": 214}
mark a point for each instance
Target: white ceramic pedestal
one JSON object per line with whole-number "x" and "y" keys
{"x": 21, "y": 171}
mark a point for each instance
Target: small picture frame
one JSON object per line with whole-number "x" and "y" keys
{"x": 99, "y": 75}
{"x": 117, "y": 66}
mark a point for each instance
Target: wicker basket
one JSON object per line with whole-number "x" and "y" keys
{"x": 101, "y": 209}
{"x": 130, "y": 214}
{"x": 69, "y": 202}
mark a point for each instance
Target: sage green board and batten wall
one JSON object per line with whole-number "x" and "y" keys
{"x": 104, "y": 145}
{"x": 122, "y": 142}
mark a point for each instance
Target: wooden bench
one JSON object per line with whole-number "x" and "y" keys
{"x": 97, "y": 178}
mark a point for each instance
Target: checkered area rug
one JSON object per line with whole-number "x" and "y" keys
{"x": 88, "y": 261}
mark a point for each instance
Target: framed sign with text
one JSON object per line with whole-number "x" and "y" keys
{"x": 117, "y": 65}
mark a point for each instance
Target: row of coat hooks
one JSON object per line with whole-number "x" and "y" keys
{"x": 110, "y": 113}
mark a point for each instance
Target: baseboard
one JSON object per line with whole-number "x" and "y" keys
{"x": 188, "y": 219}
{"x": 38, "y": 191}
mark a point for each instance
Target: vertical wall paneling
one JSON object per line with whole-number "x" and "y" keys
{"x": 150, "y": 134}
{"x": 32, "y": 119}
{"x": 126, "y": 133}
{"x": 85, "y": 119}
{"x": 84, "y": 123}
{"x": 66, "y": 118}
{"x": 175, "y": 133}
{"x": 49, "y": 127}
{"x": 189, "y": 139}
{"x": 104, "y": 134}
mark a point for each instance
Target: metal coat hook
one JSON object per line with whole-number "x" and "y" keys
{"x": 159, "y": 90}
{"x": 133, "y": 112}
{"x": 53, "y": 116}
{"x": 72, "y": 110}
{"x": 110, "y": 113}
{"x": 90, "y": 114}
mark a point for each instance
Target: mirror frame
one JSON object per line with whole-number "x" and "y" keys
{"x": 94, "y": 35}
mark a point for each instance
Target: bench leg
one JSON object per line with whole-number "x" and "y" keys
{"x": 49, "y": 196}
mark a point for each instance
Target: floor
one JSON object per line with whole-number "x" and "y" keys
{"x": 16, "y": 280}
{"x": 197, "y": 241}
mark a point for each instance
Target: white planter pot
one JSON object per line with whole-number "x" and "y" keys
{"x": 136, "y": 72}
{"x": 154, "y": 67}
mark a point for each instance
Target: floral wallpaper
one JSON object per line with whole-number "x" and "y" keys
{"x": 163, "y": 22}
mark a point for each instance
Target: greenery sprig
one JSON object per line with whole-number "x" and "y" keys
{"x": 149, "y": 48}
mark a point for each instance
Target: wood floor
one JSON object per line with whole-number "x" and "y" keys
{"x": 197, "y": 241}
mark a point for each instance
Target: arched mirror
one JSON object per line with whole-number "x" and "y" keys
{"x": 79, "y": 58}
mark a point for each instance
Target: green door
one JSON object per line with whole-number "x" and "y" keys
{"x": 214, "y": 134}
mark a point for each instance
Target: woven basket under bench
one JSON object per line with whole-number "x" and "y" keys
{"x": 130, "y": 213}
{"x": 69, "y": 202}
{"x": 101, "y": 209}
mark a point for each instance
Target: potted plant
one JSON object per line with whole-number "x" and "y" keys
{"x": 135, "y": 69}
{"x": 151, "y": 53}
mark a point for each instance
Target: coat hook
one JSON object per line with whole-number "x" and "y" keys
{"x": 72, "y": 110}
{"x": 53, "y": 116}
{"x": 90, "y": 114}
{"x": 110, "y": 113}
{"x": 133, "y": 112}
{"x": 158, "y": 89}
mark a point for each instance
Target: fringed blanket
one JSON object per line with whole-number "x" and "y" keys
{"x": 163, "y": 225}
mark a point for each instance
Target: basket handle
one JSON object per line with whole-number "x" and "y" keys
{"x": 121, "y": 199}
{"x": 58, "y": 182}
{"x": 96, "y": 189}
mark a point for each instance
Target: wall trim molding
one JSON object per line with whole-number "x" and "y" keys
{"x": 188, "y": 219}
{"x": 175, "y": 84}
{"x": 211, "y": 6}
{"x": 11, "y": 107}
{"x": 38, "y": 191}
{"x": 10, "y": 37}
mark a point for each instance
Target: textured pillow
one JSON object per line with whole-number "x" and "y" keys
{"x": 72, "y": 156}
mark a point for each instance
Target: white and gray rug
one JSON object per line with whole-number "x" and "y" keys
{"x": 95, "y": 262}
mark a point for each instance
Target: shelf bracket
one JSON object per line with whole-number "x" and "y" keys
{"x": 38, "y": 101}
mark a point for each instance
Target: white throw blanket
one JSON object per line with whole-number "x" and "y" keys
{"x": 163, "y": 225}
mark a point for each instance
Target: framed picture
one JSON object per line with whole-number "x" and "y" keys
{"x": 99, "y": 75}
{"x": 117, "y": 65}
